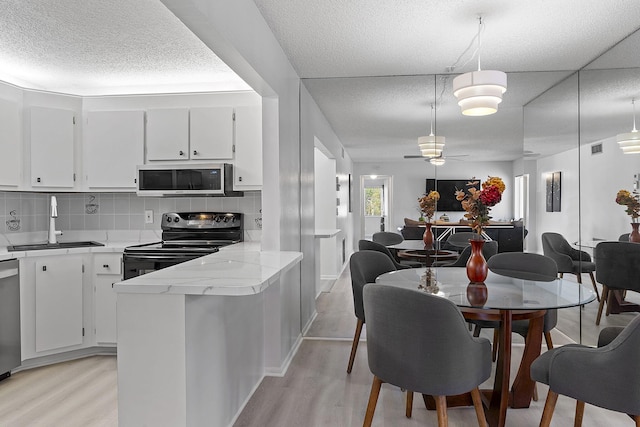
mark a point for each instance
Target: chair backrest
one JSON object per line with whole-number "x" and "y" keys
{"x": 387, "y": 238}
{"x": 617, "y": 265}
{"x": 461, "y": 239}
{"x": 365, "y": 267}
{"x": 368, "y": 245}
{"x": 555, "y": 246}
{"x": 524, "y": 265}
{"x": 420, "y": 342}
{"x": 489, "y": 249}
{"x": 624, "y": 237}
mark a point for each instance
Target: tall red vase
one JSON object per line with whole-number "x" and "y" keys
{"x": 477, "y": 269}
{"x": 427, "y": 237}
{"x": 634, "y": 236}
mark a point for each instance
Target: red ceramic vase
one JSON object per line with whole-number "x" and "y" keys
{"x": 634, "y": 236}
{"x": 427, "y": 237}
{"x": 477, "y": 269}
{"x": 477, "y": 294}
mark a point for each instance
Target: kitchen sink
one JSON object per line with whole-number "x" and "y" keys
{"x": 60, "y": 245}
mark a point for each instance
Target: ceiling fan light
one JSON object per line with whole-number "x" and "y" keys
{"x": 480, "y": 92}
{"x": 437, "y": 161}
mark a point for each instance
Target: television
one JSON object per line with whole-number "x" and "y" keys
{"x": 447, "y": 189}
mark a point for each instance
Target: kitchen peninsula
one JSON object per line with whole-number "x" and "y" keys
{"x": 196, "y": 339}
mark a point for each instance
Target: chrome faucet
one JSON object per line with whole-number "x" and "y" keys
{"x": 52, "y": 221}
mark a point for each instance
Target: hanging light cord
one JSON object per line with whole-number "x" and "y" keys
{"x": 633, "y": 102}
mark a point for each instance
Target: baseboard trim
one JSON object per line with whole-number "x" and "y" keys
{"x": 38, "y": 362}
{"x": 282, "y": 370}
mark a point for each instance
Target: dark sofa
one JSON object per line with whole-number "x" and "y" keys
{"x": 509, "y": 239}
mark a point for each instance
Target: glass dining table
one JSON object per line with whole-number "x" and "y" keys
{"x": 504, "y": 299}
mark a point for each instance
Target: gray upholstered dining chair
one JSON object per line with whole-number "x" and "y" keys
{"x": 618, "y": 270}
{"x": 569, "y": 259}
{"x": 419, "y": 342}
{"x": 368, "y": 245}
{"x": 461, "y": 239}
{"x": 387, "y": 238}
{"x": 624, "y": 237}
{"x": 607, "y": 376}
{"x": 527, "y": 266}
{"x": 365, "y": 267}
{"x": 489, "y": 249}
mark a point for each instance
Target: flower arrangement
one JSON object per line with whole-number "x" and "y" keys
{"x": 428, "y": 204}
{"x": 631, "y": 201}
{"x": 478, "y": 203}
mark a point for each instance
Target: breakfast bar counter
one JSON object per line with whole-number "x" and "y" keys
{"x": 196, "y": 339}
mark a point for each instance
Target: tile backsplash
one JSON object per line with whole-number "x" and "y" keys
{"x": 22, "y": 212}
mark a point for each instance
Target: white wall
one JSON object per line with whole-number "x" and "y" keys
{"x": 325, "y": 212}
{"x": 409, "y": 181}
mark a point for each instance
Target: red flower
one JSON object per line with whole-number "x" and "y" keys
{"x": 490, "y": 196}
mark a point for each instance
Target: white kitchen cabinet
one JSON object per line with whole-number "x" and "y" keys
{"x": 168, "y": 134}
{"x": 10, "y": 144}
{"x": 211, "y": 133}
{"x": 114, "y": 144}
{"x": 58, "y": 302}
{"x": 247, "y": 174}
{"x": 52, "y": 147}
{"x": 107, "y": 269}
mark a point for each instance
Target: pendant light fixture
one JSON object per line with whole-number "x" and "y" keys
{"x": 480, "y": 92}
{"x": 431, "y": 146}
{"x": 437, "y": 161}
{"x": 630, "y": 142}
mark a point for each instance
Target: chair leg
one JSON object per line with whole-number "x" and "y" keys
{"x": 549, "y": 406}
{"x": 595, "y": 287}
{"x": 561, "y": 274}
{"x": 476, "y": 331}
{"x": 494, "y": 351}
{"x": 409, "y": 407}
{"x": 547, "y": 338}
{"x": 579, "y": 413}
{"x": 441, "y": 409}
{"x": 477, "y": 404}
{"x": 373, "y": 400}
{"x": 605, "y": 296}
{"x": 354, "y": 346}
{"x": 637, "y": 420}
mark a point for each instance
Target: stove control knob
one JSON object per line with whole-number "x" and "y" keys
{"x": 176, "y": 219}
{"x": 168, "y": 219}
{"x": 226, "y": 219}
{"x": 218, "y": 218}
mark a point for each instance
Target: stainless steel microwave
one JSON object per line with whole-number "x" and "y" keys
{"x": 201, "y": 179}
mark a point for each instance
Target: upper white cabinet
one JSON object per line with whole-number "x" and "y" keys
{"x": 52, "y": 147}
{"x": 114, "y": 145}
{"x": 10, "y": 144}
{"x": 247, "y": 174}
{"x": 168, "y": 134}
{"x": 211, "y": 133}
{"x": 195, "y": 134}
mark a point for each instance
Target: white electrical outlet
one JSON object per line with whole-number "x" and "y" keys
{"x": 148, "y": 216}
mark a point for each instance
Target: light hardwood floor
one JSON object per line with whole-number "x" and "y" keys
{"x": 315, "y": 392}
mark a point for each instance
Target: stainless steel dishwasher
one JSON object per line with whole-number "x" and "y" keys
{"x": 10, "y": 354}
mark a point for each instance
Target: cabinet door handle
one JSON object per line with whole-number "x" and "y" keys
{"x": 44, "y": 268}
{"x": 195, "y": 152}
{"x": 240, "y": 178}
{"x": 105, "y": 265}
{"x": 38, "y": 180}
{"x": 181, "y": 153}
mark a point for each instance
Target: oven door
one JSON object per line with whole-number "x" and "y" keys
{"x": 137, "y": 264}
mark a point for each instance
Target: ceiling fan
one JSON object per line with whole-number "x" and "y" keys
{"x": 427, "y": 158}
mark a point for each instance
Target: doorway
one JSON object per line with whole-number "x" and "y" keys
{"x": 376, "y": 202}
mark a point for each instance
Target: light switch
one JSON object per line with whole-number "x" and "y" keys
{"x": 148, "y": 216}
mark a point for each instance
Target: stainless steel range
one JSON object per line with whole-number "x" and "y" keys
{"x": 185, "y": 236}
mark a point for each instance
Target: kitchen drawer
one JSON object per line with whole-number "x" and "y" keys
{"x": 107, "y": 264}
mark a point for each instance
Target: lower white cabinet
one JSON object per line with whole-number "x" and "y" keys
{"x": 107, "y": 269}
{"x": 58, "y": 302}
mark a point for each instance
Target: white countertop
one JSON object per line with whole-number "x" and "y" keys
{"x": 240, "y": 269}
{"x": 323, "y": 233}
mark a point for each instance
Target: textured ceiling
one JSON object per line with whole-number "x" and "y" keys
{"x": 342, "y": 50}
{"x": 96, "y": 47}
